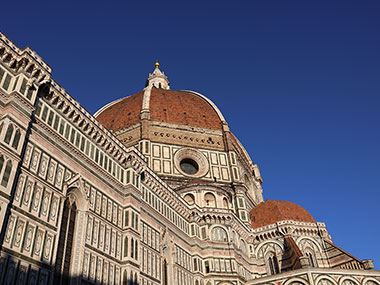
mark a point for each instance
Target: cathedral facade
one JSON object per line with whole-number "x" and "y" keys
{"x": 152, "y": 189}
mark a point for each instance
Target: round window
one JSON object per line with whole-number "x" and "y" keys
{"x": 189, "y": 166}
{"x": 191, "y": 162}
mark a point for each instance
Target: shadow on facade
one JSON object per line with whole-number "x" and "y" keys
{"x": 17, "y": 271}
{"x": 25, "y": 270}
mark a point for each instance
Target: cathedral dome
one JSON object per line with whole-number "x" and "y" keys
{"x": 168, "y": 106}
{"x": 160, "y": 104}
{"x": 273, "y": 211}
{"x": 183, "y": 135}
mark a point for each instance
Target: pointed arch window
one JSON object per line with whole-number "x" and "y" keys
{"x": 7, "y": 174}
{"x": 8, "y": 134}
{"x": 311, "y": 259}
{"x": 1, "y": 162}
{"x": 16, "y": 139}
{"x": 65, "y": 243}
{"x": 164, "y": 272}
{"x": 225, "y": 203}
{"x": 132, "y": 247}
{"x": 136, "y": 250}
{"x": 131, "y": 278}
{"x": 310, "y": 255}
{"x": 125, "y": 278}
{"x": 207, "y": 266}
{"x": 243, "y": 246}
{"x": 272, "y": 264}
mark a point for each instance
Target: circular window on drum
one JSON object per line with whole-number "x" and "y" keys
{"x": 189, "y": 166}
{"x": 191, "y": 162}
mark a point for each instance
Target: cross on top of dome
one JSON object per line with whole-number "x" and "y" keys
{"x": 158, "y": 78}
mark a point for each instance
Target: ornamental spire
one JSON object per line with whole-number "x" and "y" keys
{"x": 158, "y": 78}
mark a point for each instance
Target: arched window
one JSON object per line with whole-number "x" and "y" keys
{"x": 136, "y": 222}
{"x": 207, "y": 266}
{"x": 131, "y": 278}
{"x": 16, "y": 139}
{"x": 210, "y": 200}
{"x": 30, "y": 92}
{"x": 65, "y": 243}
{"x": 243, "y": 246}
{"x": 189, "y": 198}
{"x": 311, "y": 258}
{"x": 164, "y": 272}
{"x": 1, "y": 162}
{"x": 7, "y": 174}
{"x": 125, "y": 246}
{"x": 132, "y": 247}
{"x": 136, "y": 250}
{"x": 225, "y": 203}
{"x": 272, "y": 264}
{"x": 125, "y": 278}
{"x": 219, "y": 234}
{"x": 8, "y": 134}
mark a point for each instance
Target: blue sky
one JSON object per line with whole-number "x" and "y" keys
{"x": 298, "y": 82}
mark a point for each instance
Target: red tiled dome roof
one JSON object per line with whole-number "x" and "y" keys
{"x": 124, "y": 113}
{"x": 179, "y": 107}
{"x": 272, "y": 211}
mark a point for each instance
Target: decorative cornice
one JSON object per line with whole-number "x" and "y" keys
{"x": 23, "y": 60}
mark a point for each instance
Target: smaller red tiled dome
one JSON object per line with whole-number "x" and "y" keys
{"x": 273, "y": 211}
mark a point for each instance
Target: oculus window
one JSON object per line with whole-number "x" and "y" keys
{"x": 189, "y": 166}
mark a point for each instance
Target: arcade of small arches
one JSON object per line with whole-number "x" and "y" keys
{"x": 299, "y": 231}
{"x": 207, "y": 198}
